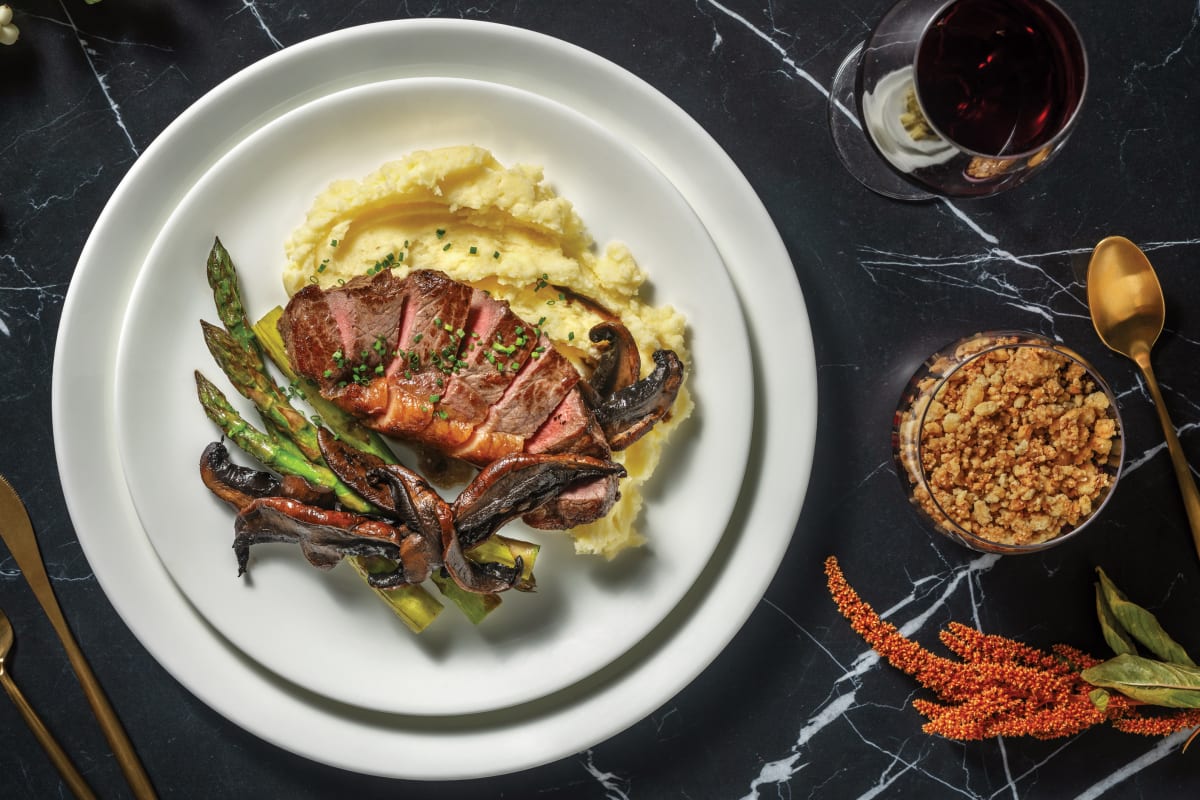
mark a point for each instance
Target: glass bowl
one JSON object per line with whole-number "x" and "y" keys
{"x": 1007, "y": 442}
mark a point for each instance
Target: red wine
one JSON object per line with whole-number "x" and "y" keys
{"x": 1000, "y": 77}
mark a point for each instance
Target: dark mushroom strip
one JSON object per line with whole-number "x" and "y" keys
{"x": 239, "y": 486}
{"x": 352, "y": 466}
{"x": 619, "y": 364}
{"x": 234, "y": 484}
{"x": 431, "y": 518}
{"x": 488, "y": 578}
{"x": 325, "y": 536}
{"x": 422, "y": 511}
{"x": 516, "y": 484}
{"x": 634, "y": 410}
{"x": 297, "y": 488}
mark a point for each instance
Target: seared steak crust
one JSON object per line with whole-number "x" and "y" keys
{"x": 434, "y": 361}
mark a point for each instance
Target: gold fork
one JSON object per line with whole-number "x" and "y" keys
{"x": 57, "y": 755}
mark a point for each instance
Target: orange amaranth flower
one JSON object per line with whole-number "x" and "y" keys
{"x": 1000, "y": 687}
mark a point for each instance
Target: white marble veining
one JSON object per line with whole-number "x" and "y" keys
{"x": 101, "y": 78}
{"x": 252, "y": 7}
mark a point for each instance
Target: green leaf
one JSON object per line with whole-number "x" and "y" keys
{"x": 1147, "y": 680}
{"x": 1099, "y": 699}
{"x": 1114, "y": 634}
{"x": 1142, "y": 625}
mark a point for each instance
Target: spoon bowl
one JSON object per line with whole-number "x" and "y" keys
{"x": 1128, "y": 311}
{"x": 1125, "y": 298}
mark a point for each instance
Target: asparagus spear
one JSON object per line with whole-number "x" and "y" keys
{"x": 267, "y": 450}
{"x": 415, "y": 606}
{"x": 222, "y": 278}
{"x": 238, "y": 352}
{"x": 249, "y": 377}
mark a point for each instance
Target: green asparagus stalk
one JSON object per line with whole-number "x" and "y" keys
{"x": 267, "y": 450}
{"x": 474, "y": 606}
{"x": 248, "y": 376}
{"x": 341, "y": 423}
{"x": 296, "y": 452}
{"x": 415, "y": 606}
{"x": 223, "y": 280}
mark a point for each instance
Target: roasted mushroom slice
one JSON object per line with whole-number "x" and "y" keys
{"x": 431, "y": 518}
{"x": 239, "y": 486}
{"x": 619, "y": 364}
{"x": 325, "y": 536}
{"x": 236, "y": 485}
{"x": 351, "y": 465}
{"x": 518, "y": 483}
{"x": 634, "y": 410}
{"x": 412, "y": 502}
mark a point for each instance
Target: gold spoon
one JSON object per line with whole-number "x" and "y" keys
{"x": 17, "y": 532}
{"x": 57, "y": 755}
{"x": 1128, "y": 311}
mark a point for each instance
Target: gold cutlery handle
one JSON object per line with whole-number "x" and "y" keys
{"x": 17, "y": 532}
{"x": 110, "y": 724}
{"x": 57, "y": 755}
{"x": 1183, "y": 472}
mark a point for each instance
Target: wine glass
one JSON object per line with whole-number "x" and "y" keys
{"x": 958, "y": 98}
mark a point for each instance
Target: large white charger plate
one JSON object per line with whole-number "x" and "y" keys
{"x": 317, "y": 628}
{"x": 349, "y": 737}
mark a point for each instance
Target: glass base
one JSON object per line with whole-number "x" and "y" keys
{"x": 856, "y": 152}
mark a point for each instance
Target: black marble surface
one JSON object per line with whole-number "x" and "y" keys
{"x": 795, "y": 707}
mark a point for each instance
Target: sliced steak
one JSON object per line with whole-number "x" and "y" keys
{"x": 312, "y": 336}
{"x": 538, "y": 389}
{"x": 434, "y": 361}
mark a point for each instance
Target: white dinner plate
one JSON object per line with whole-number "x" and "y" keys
{"x": 314, "y": 627}
{"x": 432, "y": 747}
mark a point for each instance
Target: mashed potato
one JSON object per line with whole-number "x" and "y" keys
{"x": 458, "y": 210}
